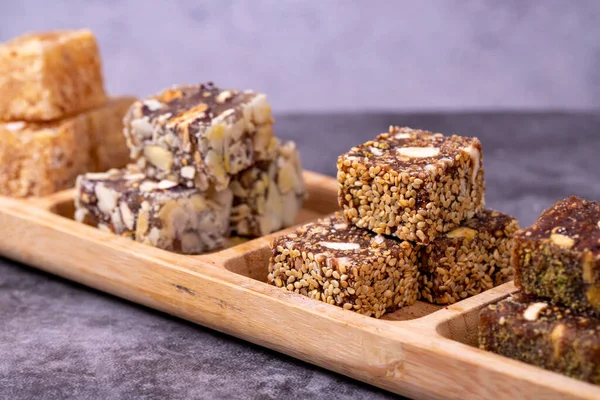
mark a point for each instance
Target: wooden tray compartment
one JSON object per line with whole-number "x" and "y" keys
{"x": 422, "y": 351}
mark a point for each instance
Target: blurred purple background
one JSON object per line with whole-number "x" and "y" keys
{"x": 59, "y": 339}
{"x": 344, "y": 55}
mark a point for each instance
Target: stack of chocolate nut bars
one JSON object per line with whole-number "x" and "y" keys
{"x": 205, "y": 164}
{"x": 554, "y": 320}
{"x": 56, "y": 120}
{"x": 413, "y": 225}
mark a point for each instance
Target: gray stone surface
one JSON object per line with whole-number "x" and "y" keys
{"x": 343, "y": 55}
{"x": 59, "y": 339}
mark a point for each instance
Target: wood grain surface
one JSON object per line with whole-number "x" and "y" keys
{"x": 422, "y": 351}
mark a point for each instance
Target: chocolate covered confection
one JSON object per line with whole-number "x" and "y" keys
{"x": 269, "y": 195}
{"x": 162, "y": 214}
{"x": 200, "y": 135}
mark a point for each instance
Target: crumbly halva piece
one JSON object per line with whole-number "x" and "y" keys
{"x": 200, "y": 135}
{"x": 268, "y": 196}
{"x": 340, "y": 264}
{"x": 412, "y": 184}
{"x": 536, "y": 332}
{"x": 162, "y": 214}
{"x": 105, "y": 127}
{"x": 558, "y": 257}
{"x": 469, "y": 259}
{"x": 37, "y": 159}
{"x": 50, "y": 75}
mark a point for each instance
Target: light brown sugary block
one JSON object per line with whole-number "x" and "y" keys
{"x": 109, "y": 147}
{"x": 49, "y": 75}
{"x": 37, "y": 159}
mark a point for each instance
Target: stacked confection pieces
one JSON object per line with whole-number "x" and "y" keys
{"x": 413, "y": 225}
{"x": 205, "y": 164}
{"x": 554, "y": 320}
{"x": 56, "y": 120}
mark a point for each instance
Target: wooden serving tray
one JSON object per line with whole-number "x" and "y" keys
{"x": 422, "y": 351}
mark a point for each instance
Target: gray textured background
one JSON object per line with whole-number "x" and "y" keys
{"x": 344, "y": 55}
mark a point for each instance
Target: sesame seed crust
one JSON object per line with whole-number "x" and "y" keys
{"x": 412, "y": 184}
{"x": 335, "y": 262}
{"x": 199, "y": 135}
{"x": 469, "y": 259}
{"x": 558, "y": 257}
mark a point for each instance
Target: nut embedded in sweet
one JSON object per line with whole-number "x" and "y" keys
{"x": 376, "y": 151}
{"x": 159, "y": 157}
{"x": 340, "y": 226}
{"x": 166, "y": 184}
{"x": 127, "y": 216}
{"x": 287, "y": 179}
{"x": 148, "y": 186}
{"x": 215, "y": 165}
{"x": 562, "y": 240}
{"x": 153, "y": 104}
{"x": 215, "y": 136}
{"x": 142, "y": 127}
{"x": 418, "y": 152}
{"x": 142, "y": 223}
{"x": 532, "y": 312}
{"x": 188, "y": 172}
{"x": 340, "y": 246}
{"x": 557, "y": 333}
{"x": 223, "y": 96}
{"x": 475, "y": 157}
{"x": 463, "y": 232}
{"x": 107, "y": 198}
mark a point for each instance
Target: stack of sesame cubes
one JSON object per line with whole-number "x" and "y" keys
{"x": 413, "y": 225}
{"x": 554, "y": 320}
{"x": 205, "y": 164}
{"x": 56, "y": 120}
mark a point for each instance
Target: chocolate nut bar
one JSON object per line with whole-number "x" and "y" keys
{"x": 469, "y": 259}
{"x": 200, "y": 135}
{"x": 50, "y": 75}
{"x": 162, "y": 214}
{"x": 340, "y": 264}
{"x": 536, "y": 332}
{"x": 268, "y": 196}
{"x": 558, "y": 257}
{"x": 38, "y": 159}
{"x": 412, "y": 184}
